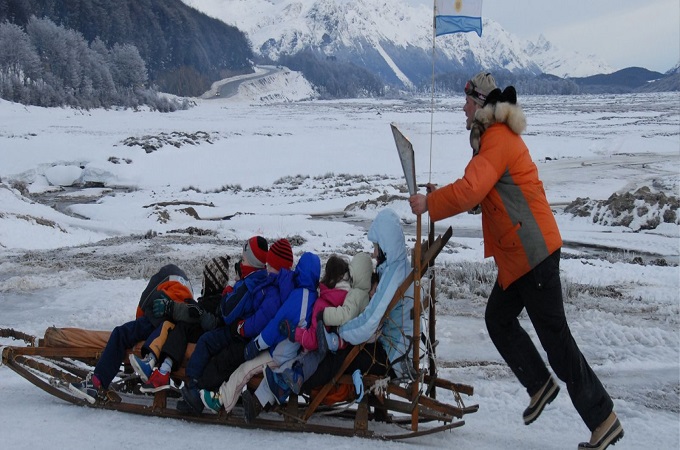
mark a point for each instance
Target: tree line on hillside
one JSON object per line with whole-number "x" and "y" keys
{"x": 49, "y": 65}
{"x": 185, "y": 51}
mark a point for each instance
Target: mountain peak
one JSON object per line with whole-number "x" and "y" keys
{"x": 393, "y": 39}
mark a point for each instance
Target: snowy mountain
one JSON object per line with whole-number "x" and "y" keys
{"x": 564, "y": 64}
{"x": 674, "y": 70}
{"x": 390, "y": 39}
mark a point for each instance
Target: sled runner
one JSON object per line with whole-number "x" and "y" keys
{"x": 423, "y": 404}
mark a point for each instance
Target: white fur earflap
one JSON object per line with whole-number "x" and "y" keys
{"x": 507, "y": 113}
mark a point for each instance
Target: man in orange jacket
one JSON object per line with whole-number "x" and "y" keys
{"x": 521, "y": 233}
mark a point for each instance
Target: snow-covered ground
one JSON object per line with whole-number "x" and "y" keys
{"x": 183, "y": 187}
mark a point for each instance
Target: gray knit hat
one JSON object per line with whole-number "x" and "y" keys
{"x": 480, "y": 86}
{"x": 255, "y": 249}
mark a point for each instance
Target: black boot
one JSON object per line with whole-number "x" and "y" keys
{"x": 539, "y": 400}
{"x": 251, "y": 406}
{"x": 192, "y": 397}
{"x": 607, "y": 433}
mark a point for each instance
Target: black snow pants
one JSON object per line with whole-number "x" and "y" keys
{"x": 221, "y": 366}
{"x": 178, "y": 338}
{"x": 540, "y": 293}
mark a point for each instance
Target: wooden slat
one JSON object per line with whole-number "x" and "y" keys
{"x": 454, "y": 387}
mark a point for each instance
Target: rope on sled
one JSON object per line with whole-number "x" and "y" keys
{"x": 428, "y": 303}
{"x": 379, "y": 388}
{"x": 17, "y": 335}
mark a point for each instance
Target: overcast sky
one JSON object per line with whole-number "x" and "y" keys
{"x": 623, "y": 33}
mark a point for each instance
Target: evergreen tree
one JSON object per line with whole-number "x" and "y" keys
{"x": 127, "y": 67}
{"x": 19, "y": 64}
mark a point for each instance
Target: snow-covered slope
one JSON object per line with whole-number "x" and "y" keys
{"x": 675, "y": 69}
{"x": 393, "y": 38}
{"x": 564, "y": 64}
{"x": 267, "y": 85}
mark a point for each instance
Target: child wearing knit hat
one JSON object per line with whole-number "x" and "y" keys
{"x": 215, "y": 275}
{"x": 279, "y": 256}
{"x": 255, "y": 249}
{"x": 254, "y": 255}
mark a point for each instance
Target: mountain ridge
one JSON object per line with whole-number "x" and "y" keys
{"x": 392, "y": 37}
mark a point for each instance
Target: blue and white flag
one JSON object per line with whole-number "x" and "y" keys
{"x": 457, "y": 16}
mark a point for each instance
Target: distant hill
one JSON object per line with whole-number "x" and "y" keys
{"x": 669, "y": 83}
{"x": 631, "y": 79}
{"x": 184, "y": 50}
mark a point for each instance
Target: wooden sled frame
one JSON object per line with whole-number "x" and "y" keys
{"x": 53, "y": 368}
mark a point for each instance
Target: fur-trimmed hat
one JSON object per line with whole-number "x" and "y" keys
{"x": 255, "y": 250}
{"x": 480, "y": 86}
{"x": 215, "y": 276}
{"x": 280, "y": 255}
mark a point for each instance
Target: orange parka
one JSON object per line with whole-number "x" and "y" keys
{"x": 518, "y": 226}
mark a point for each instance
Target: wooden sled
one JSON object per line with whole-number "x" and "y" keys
{"x": 388, "y": 411}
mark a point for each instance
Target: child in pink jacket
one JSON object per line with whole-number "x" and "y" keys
{"x": 329, "y": 310}
{"x": 333, "y": 289}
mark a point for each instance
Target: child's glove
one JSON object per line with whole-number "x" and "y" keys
{"x": 162, "y": 307}
{"x": 358, "y": 385}
{"x": 287, "y": 330}
{"x": 209, "y": 322}
{"x": 195, "y": 311}
{"x": 237, "y": 328}
{"x": 252, "y": 350}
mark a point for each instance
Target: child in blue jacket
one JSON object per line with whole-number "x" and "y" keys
{"x": 296, "y": 309}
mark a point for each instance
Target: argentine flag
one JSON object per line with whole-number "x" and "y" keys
{"x": 456, "y": 16}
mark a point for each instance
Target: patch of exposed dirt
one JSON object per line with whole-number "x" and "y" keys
{"x": 643, "y": 209}
{"x": 176, "y": 139}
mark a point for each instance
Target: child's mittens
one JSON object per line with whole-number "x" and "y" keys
{"x": 287, "y": 330}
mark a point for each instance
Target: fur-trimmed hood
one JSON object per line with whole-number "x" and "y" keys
{"x": 502, "y": 112}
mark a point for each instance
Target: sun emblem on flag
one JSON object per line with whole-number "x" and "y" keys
{"x": 458, "y": 4}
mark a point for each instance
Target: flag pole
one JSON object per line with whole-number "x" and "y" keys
{"x": 434, "y": 31}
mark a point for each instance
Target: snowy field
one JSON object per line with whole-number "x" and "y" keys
{"x": 157, "y": 188}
